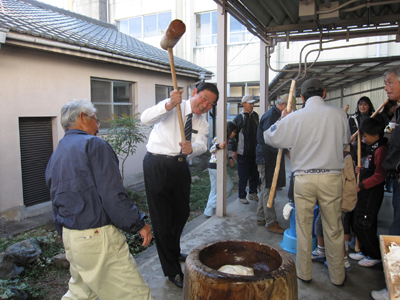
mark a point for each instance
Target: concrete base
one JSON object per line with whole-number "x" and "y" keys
{"x": 20, "y": 213}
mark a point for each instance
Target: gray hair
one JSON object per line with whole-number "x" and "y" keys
{"x": 280, "y": 101}
{"x": 70, "y": 112}
{"x": 394, "y": 70}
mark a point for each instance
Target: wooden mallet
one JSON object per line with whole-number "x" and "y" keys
{"x": 173, "y": 34}
{"x": 279, "y": 156}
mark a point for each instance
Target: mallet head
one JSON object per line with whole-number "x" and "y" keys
{"x": 173, "y": 34}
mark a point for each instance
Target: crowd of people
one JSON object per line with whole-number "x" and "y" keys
{"x": 90, "y": 202}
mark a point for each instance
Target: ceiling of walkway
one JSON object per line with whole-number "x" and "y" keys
{"x": 293, "y": 20}
{"x": 334, "y": 74}
{"x": 274, "y": 21}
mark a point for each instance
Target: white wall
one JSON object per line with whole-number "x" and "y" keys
{"x": 36, "y": 83}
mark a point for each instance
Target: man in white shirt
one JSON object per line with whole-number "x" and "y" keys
{"x": 166, "y": 171}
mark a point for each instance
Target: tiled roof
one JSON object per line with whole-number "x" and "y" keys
{"x": 37, "y": 19}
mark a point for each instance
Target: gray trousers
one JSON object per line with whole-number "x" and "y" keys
{"x": 263, "y": 212}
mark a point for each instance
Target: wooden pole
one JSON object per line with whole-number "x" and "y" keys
{"x": 178, "y": 107}
{"x": 279, "y": 156}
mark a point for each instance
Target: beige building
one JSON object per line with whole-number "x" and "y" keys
{"x": 49, "y": 56}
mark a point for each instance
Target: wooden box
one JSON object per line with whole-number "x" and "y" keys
{"x": 385, "y": 242}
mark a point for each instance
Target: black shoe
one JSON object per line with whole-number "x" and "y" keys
{"x": 182, "y": 257}
{"x": 177, "y": 280}
{"x": 305, "y": 281}
{"x": 345, "y": 278}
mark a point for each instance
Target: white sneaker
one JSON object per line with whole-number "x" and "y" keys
{"x": 380, "y": 295}
{"x": 357, "y": 256}
{"x": 369, "y": 262}
{"x": 347, "y": 264}
{"x": 253, "y": 197}
{"x": 244, "y": 201}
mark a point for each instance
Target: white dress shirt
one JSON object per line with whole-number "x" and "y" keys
{"x": 165, "y": 136}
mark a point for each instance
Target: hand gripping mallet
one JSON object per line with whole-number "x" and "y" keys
{"x": 173, "y": 34}
{"x": 279, "y": 156}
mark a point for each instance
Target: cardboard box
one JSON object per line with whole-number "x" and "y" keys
{"x": 385, "y": 242}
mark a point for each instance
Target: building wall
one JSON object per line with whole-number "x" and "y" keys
{"x": 36, "y": 83}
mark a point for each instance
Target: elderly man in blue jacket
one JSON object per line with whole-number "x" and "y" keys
{"x": 89, "y": 205}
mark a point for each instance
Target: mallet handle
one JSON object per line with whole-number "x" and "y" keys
{"x": 178, "y": 107}
{"x": 279, "y": 156}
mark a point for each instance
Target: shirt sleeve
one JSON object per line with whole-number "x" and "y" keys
{"x": 154, "y": 114}
{"x": 277, "y": 135}
{"x": 380, "y": 173}
{"x": 122, "y": 212}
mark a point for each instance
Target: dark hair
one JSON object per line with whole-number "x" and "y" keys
{"x": 388, "y": 106}
{"x": 368, "y": 101}
{"x": 230, "y": 127}
{"x": 310, "y": 94}
{"x": 208, "y": 86}
{"x": 372, "y": 126}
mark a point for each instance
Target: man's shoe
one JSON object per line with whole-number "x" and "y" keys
{"x": 253, "y": 197}
{"x": 305, "y": 281}
{"x": 275, "y": 228}
{"x": 342, "y": 284}
{"x": 244, "y": 201}
{"x": 357, "y": 256}
{"x": 182, "y": 257}
{"x": 318, "y": 256}
{"x": 369, "y": 262}
{"x": 177, "y": 280}
{"x": 261, "y": 223}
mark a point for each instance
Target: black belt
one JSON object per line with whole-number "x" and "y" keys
{"x": 179, "y": 158}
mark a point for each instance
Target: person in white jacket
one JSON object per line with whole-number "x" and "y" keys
{"x": 316, "y": 136}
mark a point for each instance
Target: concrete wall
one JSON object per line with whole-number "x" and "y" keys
{"x": 36, "y": 83}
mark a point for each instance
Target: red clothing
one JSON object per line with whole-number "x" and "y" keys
{"x": 380, "y": 173}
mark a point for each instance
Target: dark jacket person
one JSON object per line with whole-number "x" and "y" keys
{"x": 89, "y": 203}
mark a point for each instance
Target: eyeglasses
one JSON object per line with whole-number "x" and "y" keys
{"x": 98, "y": 122}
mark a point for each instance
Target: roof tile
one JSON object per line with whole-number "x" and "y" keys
{"x": 34, "y": 18}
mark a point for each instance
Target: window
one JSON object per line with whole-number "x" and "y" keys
{"x": 237, "y": 31}
{"x": 163, "y": 91}
{"x": 146, "y": 26}
{"x": 111, "y": 97}
{"x": 206, "y": 28}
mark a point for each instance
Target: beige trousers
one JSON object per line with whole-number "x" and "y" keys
{"x": 326, "y": 191}
{"x": 101, "y": 266}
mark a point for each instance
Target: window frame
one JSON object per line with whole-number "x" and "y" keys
{"x": 112, "y": 96}
{"x": 160, "y": 30}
